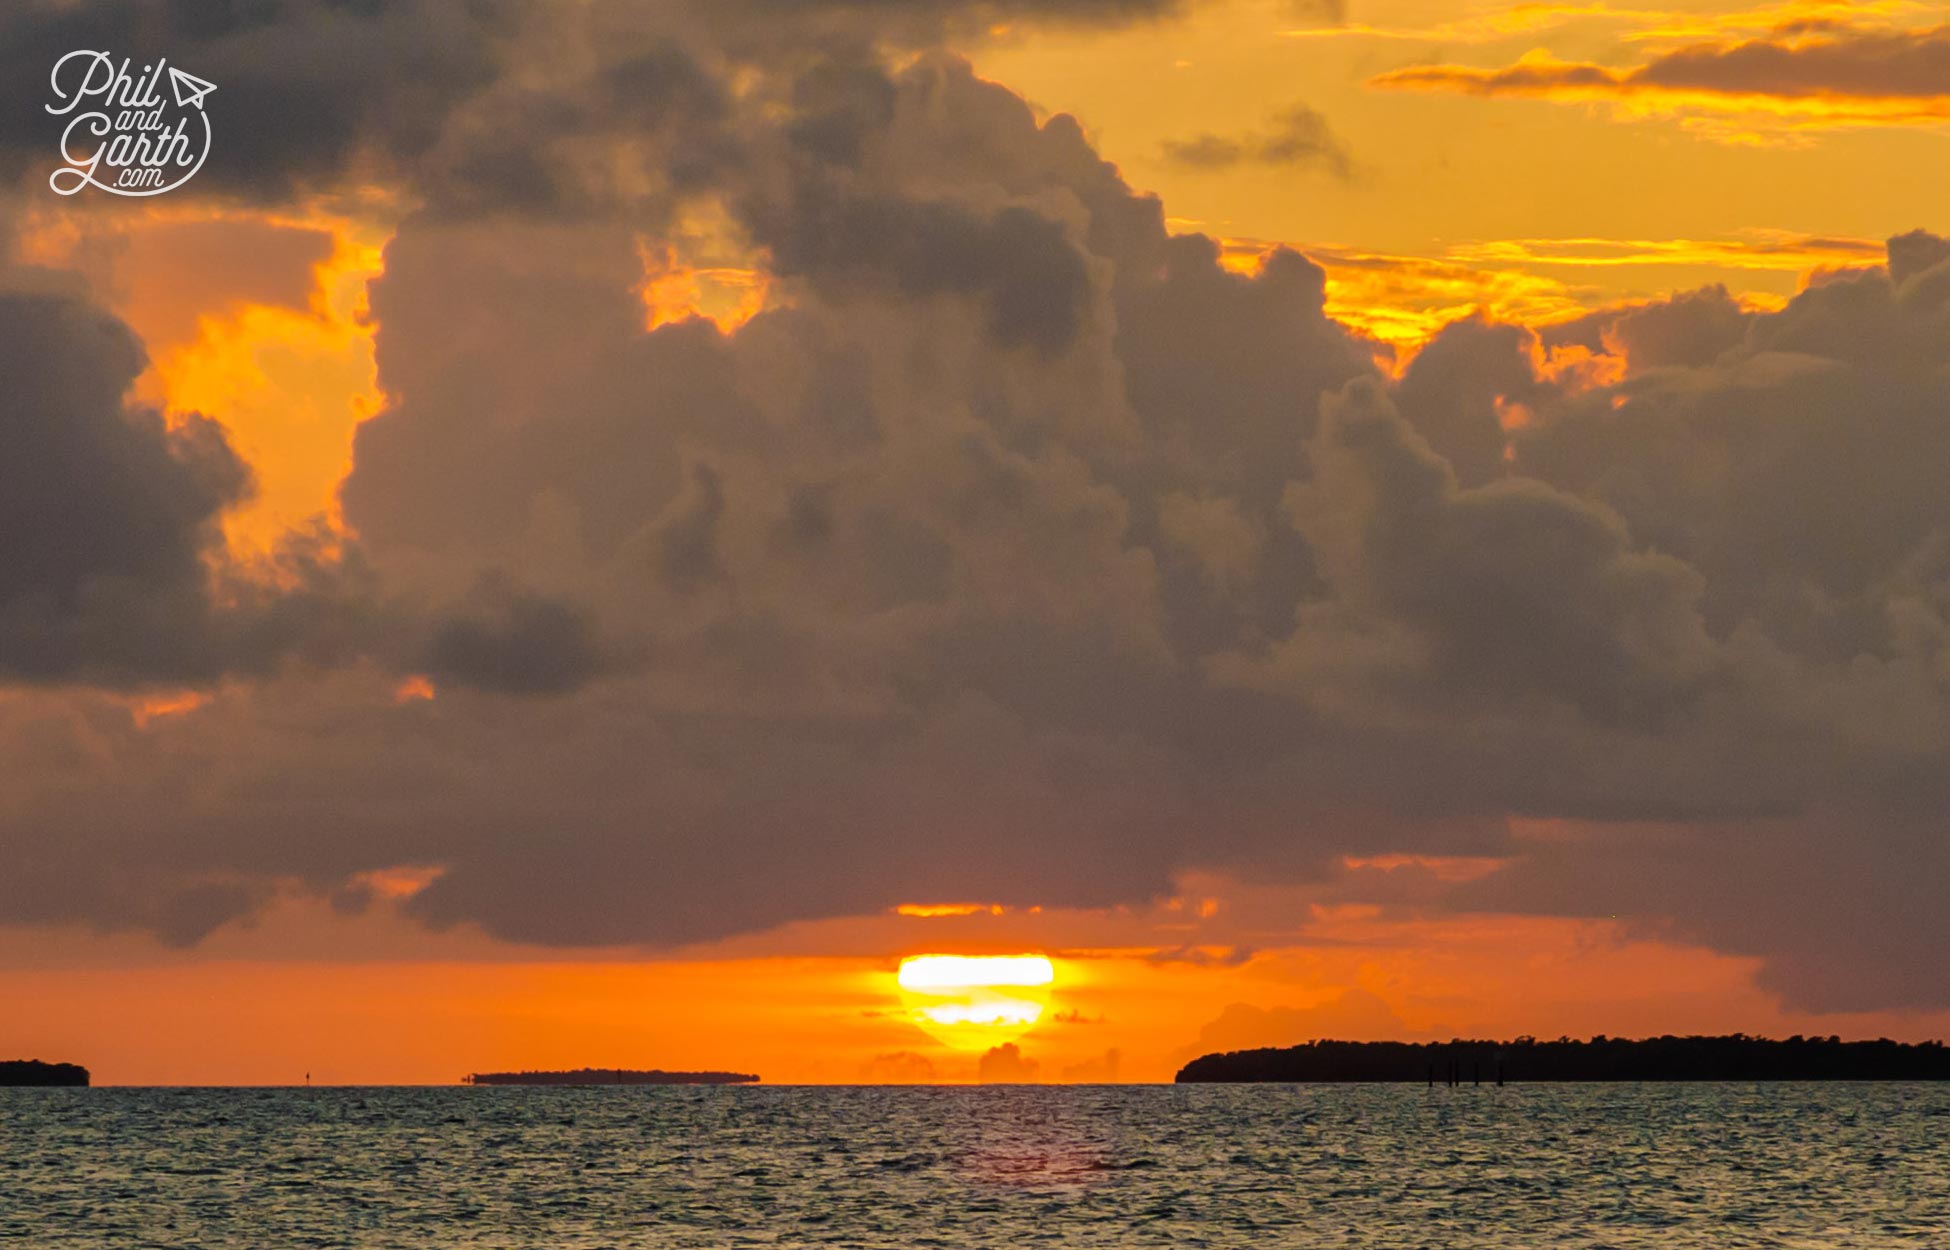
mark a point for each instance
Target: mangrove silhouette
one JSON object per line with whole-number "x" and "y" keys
{"x": 609, "y": 1076}
{"x": 1736, "y": 1057}
{"x": 34, "y": 1072}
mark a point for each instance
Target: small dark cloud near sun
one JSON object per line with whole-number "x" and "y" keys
{"x": 1007, "y": 1065}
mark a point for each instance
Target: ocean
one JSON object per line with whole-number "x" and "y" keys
{"x": 1621, "y": 1166}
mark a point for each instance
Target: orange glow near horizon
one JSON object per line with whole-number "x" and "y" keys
{"x": 367, "y": 997}
{"x": 820, "y": 1020}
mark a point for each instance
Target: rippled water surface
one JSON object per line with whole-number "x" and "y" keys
{"x": 1719, "y": 1166}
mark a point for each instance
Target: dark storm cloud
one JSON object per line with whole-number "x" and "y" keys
{"x": 1512, "y": 590}
{"x": 1840, "y": 928}
{"x": 1030, "y": 281}
{"x": 1798, "y": 472}
{"x": 1691, "y": 330}
{"x": 1915, "y": 253}
{"x": 515, "y": 643}
{"x": 1452, "y": 389}
{"x": 483, "y": 106}
{"x": 588, "y": 413}
{"x": 307, "y": 86}
{"x": 92, "y": 489}
{"x": 690, "y": 541}
{"x": 1019, "y": 551}
{"x": 107, "y": 510}
{"x": 178, "y": 912}
{"x": 1226, "y": 371}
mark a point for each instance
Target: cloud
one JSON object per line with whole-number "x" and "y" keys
{"x": 1006, "y": 1064}
{"x": 1836, "y": 61}
{"x": 112, "y": 514}
{"x": 1102, "y": 1070}
{"x": 488, "y": 107}
{"x": 1751, "y": 250}
{"x": 1506, "y": 590}
{"x": 1030, "y": 282}
{"x": 899, "y": 1067}
{"x": 517, "y": 643}
{"x": 1016, "y": 549}
{"x": 1075, "y": 10}
{"x": 1488, "y": 27}
{"x": 1455, "y": 385}
{"x": 1299, "y": 137}
{"x": 98, "y": 492}
{"x": 1825, "y": 75}
{"x": 1213, "y": 531}
{"x": 310, "y": 88}
{"x": 1689, "y": 330}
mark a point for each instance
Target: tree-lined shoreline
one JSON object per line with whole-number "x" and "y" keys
{"x": 1733, "y": 1057}
{"x": 21, "y": 1072}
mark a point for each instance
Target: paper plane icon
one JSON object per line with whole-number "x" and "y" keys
{"x": 189, "y": 89}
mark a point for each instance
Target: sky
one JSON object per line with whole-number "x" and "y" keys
{"x": 589, "y": 531}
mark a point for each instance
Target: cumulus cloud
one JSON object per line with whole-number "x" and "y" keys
{"x": 1006, "y": 1064}
{"x": 518, "y": 643}
{"x": 111, "y": 514}
{"x": 899, "y": 1067}
{"x": 1504, "y": 591}
{"x": 311, "y": 88}
{"x": 1691, "y": 329}
{"x": 1102, "y": 1070}
{"x": 1030, "y": 281}
{"x": 1017, "y": 550}
{"x": 502, "y": 105}
{"x": 96, "y": 491}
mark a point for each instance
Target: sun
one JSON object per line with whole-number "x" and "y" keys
{"x": 973, "y": 1002}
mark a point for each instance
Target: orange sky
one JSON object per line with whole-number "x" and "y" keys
{"x": 1474, "y": 187}
{"x": 1138, "y": 992}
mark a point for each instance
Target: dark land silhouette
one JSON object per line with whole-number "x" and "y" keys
{"x": 1735, "y": 1057}
{"x": 609, "y": 1076}
{"x": 34, "y": 1072}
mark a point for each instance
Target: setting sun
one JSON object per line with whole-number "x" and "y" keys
{"x": 972, "y": 1002}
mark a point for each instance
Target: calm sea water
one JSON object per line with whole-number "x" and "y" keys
{"x": 1671, "y": 1166}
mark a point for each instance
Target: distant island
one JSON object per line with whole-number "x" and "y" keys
{"x": 34, "y": 1072}
{"x": 1736, "y": 1057}
{"x": 609, "y": 1076}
